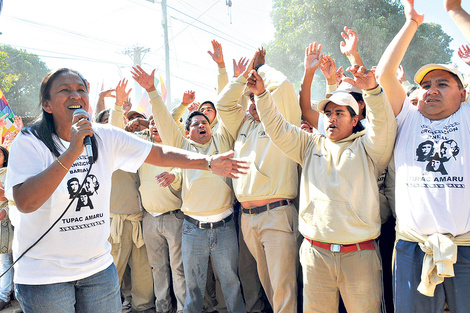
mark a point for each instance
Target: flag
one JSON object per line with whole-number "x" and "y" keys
{"x": 7, "y": 111}
{"x": 162, "y": 89}
{"x": 144, "y": 105}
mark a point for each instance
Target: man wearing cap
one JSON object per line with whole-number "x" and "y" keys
{"x": 339, "y": 203}
{"x": 269, "y": 217}
{"x": 208, "y": 227}
{"x": 432, "y": 203}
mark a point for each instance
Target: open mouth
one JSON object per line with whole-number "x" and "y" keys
{"x": 74, "y": 107}
{"x": 202, "y": 132}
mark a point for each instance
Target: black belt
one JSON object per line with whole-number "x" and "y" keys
{"x": 269, "y": 206}
{"x": 172, "y": 212}
{"x": 208, "y": 225}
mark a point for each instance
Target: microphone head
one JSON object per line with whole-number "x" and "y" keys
{"x": 80, "y": 112}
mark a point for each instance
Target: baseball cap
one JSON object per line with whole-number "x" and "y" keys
{"x": 431, "y": 67}
{"x": 133, "y": 112}
{"x": 339, "y": 97}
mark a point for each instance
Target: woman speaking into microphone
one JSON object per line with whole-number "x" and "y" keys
{"x": 60, "y": 193}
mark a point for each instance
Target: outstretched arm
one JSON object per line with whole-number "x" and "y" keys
{"x": 348, "y": 47}
{"x": 220, "y": 164}
{"x": 460, "y": 17}
{"x": 168, "y": 129}
{"x": 218, "y": 57}
{"x": 116, "y": 114}
{"x": 312, "y": 60}
{"x": 380, "y": 136}
{"x": 390, "y": 61}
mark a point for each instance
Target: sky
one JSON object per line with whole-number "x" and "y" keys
{"x": 97, "y": 37}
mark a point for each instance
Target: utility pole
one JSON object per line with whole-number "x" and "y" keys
{"x": 167, "y": 53}
{"x": 136, "y": 55}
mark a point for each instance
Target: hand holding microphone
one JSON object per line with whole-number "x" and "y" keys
{"x": 87, "y": 140}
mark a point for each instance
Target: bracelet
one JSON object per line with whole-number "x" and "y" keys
{"x": 62, "y": 164}
{"x": 209, "y": 163}
{"x": 412, "y": 19}
{"x": 258, "y": 66}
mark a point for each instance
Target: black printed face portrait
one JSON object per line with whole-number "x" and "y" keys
{"x": 436, "y": 164}
{"x": 449, "y": 149}
{"x": 425, "y": 151}
{"x": 89, "y": 189}
{"x": 72, "y": 187}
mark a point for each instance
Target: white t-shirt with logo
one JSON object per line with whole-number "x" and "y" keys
{"x": 77, "y": 246}
{"x": 431, "y": 173}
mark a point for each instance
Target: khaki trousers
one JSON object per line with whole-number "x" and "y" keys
{"x": 356, "y": 275}
{"x": 126, "y": 252}
{"x": 271, "y": 237}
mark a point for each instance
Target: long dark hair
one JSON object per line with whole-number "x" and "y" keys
{"x": 5, "y": 156}
{"x": 44, "y": 128}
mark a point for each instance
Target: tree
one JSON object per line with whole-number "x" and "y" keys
{"x": 6, "y": 79}
{"x": 23, "y": 96}
{"x": 376, "y": 22}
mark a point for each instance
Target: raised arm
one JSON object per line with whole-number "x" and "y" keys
{"x": 459, "y": 15}
{"x": 291, "y": 140}
{"x": 218, "y": 56}
{"x": 100, "y": 105}
{"x": 348, "y": 47}
{"x": 312, "y": 61}
{"x": 386, "y": 71}
{"x": 380, "y": 135}
{"x": 168, "y": 129}
{"x": 116, "y": 114}
{"x": 178, "y": 111}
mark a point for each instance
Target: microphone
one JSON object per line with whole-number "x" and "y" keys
{"x": 87, "y": 140}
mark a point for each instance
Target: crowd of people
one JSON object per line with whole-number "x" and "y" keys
{"x": 260, "y": 201}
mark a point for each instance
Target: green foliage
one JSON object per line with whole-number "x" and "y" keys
{"x": 6, "y": 79}
{"x": 376, "y": 22}
{"x": 23, "y": 96}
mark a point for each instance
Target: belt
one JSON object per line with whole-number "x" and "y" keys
{"x": 208, "y": 225}
{"x": 266, "y": 207}
{"x": 365, "y": 245}
{"x": 172, "y": 212}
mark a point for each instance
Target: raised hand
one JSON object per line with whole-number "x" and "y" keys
{"x": 410, "y": 12}
{"x": 363, "y": 78}
{"x": 240, "y": 67}
{"x": 313, "y": 57}
{"x": 165, "y": 179}
{"x": 464, "y": 53}
{"x": 255, "y": 83}
{"x": 193, "y": 107}
{"x": 3, "y": 121}
{"x": 188, "y": 97}
{"x": 126, "y": 106}
{"x": 121, "y": 93}
{"x": 452, "y": 5}
{"x": 147, "y": 81}
{"x": 349, "y": 45}
{"x": 251, "y": 64}
{"x": 339, "y": 75}
{"x": 217, "y": 55}
{"x": 400, "y": 74}
{"x": 328, "y": 69}
{"x": 224, "y": 165}
{"x": 18, "y": 122}
{"x": 260, "y": 57}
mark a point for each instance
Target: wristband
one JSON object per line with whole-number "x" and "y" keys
{"x": 209, "y": 163}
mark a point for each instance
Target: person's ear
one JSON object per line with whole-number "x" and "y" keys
{"x": 355, "y": 120}
{"x": 47, "y": 106}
